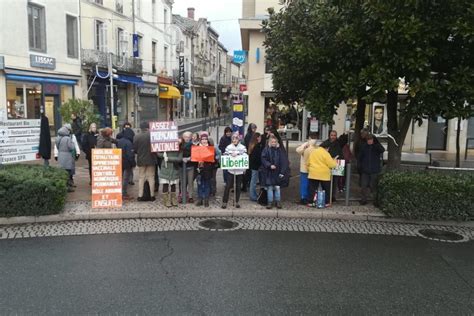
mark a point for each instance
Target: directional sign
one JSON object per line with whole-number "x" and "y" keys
{"x": 16, "y": 158}
{"x": 19, "y": 140}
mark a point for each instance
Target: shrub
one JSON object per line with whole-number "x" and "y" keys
{"x": 32, "y": 190}
{"x": 83, "y": 109}
{"x": 427, "y": 195}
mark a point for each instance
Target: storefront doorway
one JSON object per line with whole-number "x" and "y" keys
{"x": 52, "y": 112}
{"x": 437, "y": 134}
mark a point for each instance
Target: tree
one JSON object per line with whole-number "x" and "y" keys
{"x": 83, "y": 109}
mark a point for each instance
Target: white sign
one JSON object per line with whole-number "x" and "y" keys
{"x": 314, "y": 125}
{"x": 16, "y": 158}
{"x": 31, "y": 140}
{"x": 19, "y": 140}
{"x": 164, "y": 136}
{"x": 339, "y": 170}
{"x": 20, "y": 123}
{"x": 238, "y": 162}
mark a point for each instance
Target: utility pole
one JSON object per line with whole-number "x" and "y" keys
{"x": 135, "y": 104}
{"x": 111, "y": 77}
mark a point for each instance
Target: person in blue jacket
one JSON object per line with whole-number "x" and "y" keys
{"x": 369, "y": 163}
{"x": 128, "y": 159}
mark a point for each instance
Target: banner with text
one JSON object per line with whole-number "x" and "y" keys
{"x": 164, "y": 136}
{"x": 106, "y": 178}
{"x": 19, "y": 140}
{"x": 237, "y": 162}
{"x": 203, "y": 154}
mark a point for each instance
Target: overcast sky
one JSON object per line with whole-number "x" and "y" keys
{"x": 224, "y": 16}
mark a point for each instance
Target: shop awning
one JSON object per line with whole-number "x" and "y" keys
{"x": 41, "y": 79}
{"x": 122, "y": 78}
{"x": 169, "y": 92}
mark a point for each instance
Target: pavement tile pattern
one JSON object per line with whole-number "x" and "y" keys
{"x": 95, "y": 227}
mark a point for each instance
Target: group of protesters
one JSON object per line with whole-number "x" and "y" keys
{"x": 269, "y": 166}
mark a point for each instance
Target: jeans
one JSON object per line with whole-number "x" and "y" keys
{"x": 204, "y": 187}
{"x": 126, "y": 174}
{"x": 230, "y": 184}
{"x": 304, "y": 186}
{"x": 314, "y": 184}
{"x": 273, "y": 196}
{"x": 253, "y": 185}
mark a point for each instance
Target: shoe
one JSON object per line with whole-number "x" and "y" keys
{"x": 310, "y": 205}
{"x": 224, "y": 206}
{"x": 206, "y": 202}
{"x": 278, "y": 205}
{"x": 140, "y": 199}
{"x": 152, "y": 199}
{"x": 199, "y": 202}
{"x": 327, "y": 205}
{"x": 174, "y": 201}
{"x": 237, "y": 205}
{"x": 166, "y": 200}
{"x": 191, "y": 200}
{"x": 269, "y": 206}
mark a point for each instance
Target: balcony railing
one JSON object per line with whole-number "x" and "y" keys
{"x": 91, "y": 58}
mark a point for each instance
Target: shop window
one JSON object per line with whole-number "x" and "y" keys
{"x": 72, "y": 38}
{"x": 36, "y": 28}
{"x": 23, "y": 100}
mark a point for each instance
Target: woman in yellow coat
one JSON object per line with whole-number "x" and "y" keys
{"x": 319, "y": 166}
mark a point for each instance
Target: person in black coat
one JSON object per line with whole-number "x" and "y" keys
{"x": 128, "y": 159}
{"x": 45, "y": 140}
{"x": 255, "y": 160}
{"x": 76, "y": 125}
{"x": 369, "y": 165}
{"x": 128, "y": 125}
{"x": 89, "y": 142}
{"x": 225, "y": 141}
{"x": 248, "y": 136}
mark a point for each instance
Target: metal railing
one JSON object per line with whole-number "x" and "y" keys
{"x": 92, "y": 58}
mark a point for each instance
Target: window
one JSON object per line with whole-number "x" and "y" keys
{"x": 36, "y": 28}
{"x": 140, "y": 45}
{"x": 72, "y": 38}
{"x": 165, "y": 16}
{"x": 119, "y": 6}
{"x": 153, "y": 11}
{"x": 120, "y": 37}
{"x": 100, "y": 36}
{"x": 23, "y": 100}
{"x": 153, "y": 56}
{"x": 165, "y": 59}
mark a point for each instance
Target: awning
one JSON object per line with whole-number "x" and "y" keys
{"x": 123, "y": 78}
{"x": 41, "y": 79}
{"x": 169, "y": 92}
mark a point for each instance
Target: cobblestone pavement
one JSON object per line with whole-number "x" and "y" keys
{"x": 72, "y": 228}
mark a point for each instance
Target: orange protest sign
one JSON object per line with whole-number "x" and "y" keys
{"x": 203, "y": 154}
{"x": 106, "y": 178}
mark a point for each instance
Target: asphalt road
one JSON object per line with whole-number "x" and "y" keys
{"x": 239, "y": 272}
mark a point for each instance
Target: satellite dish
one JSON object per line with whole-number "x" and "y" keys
{"x": 174, "y": 33}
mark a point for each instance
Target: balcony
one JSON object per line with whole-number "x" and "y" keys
{"x": 92, "y": 58}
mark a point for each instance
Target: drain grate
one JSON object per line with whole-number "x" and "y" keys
{"x": 218, "y": 224}
{"x": 441, "y": 235}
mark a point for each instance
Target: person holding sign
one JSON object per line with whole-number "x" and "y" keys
{"x": 319, "y": 166}
{"x": 169, "y": 175}
{"x": 146, "y": 161}
{"x": 204, "y": 155}
{"x": 235, "y": 175}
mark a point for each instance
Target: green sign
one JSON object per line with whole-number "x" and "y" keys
{"x": 238, "y": 162}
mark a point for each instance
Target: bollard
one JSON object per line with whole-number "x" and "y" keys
{"x": 183, "y": 184}
{"x": 348, "y": 182}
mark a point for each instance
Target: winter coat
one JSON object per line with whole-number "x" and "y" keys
{"x": 89, "y": 142}
{"x": 369, "y": 160}
{"x": 300, "y": 150}
{"x": 334, "y": 149}
{"x": 237, "y": 151}
{"x": 76, "y": 126}
{"x": 206, "y": 171}
{"x": 105, "y": 142}
{"x": 273, "y": 156}
{"x": 224, "y": 142}
{"x": 126, "y": 144}
{"x": 142, "y": 147}
{"x": 187, "y": 154}
{"x": 66, "y": 149}
{"x": 171, "y": 170}
{"x": 320, "y": 164}
{"x": 45, "y": 138}
{"x": 255, "y": 157}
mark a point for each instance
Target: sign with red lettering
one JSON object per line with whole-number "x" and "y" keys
{"x": 106, "y": 178}
{"x": 164, "y": 136}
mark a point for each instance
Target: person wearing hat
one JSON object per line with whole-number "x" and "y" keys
{"x": 369, "y": 163}
{"x": 225, "y": 141}
{"x": 204, "y": 172}
{"x": 66, "y": 152}
{"x": 234, "y": 149}
{"x": 146, "y": 161}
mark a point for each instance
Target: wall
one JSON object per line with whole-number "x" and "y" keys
{"x": 255, "y": 82}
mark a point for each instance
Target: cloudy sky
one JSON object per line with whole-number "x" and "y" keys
{"x": 223, "y": 15}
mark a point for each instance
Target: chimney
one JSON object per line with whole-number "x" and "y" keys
{"x": 191, "y": 13}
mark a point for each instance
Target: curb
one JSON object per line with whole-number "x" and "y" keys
{"x": 179, "y": 213}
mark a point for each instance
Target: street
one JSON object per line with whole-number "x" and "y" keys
{"x": 235, "y": 272}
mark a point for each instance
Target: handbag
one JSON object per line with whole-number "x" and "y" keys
{"x": 262, "y": 197}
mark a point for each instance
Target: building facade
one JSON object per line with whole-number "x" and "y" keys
{"x": 40, "y": 58}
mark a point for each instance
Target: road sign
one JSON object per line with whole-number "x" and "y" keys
{"x": 19, "y": 140}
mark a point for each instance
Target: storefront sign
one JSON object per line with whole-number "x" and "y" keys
{"x": 339, "y": 170}
{"x": 106, "y": 178}
{"x": 188, "y": 95}
{"x": 242, "y": 87}
{"x": 19, "y": 140}
{"x": 164, "y": 136}
{"x": 148, "y": 90}
{"x": 238, "y": 162}
{"x": 42, "y": 62}
{"x": 238, "y": 118}
{"x": 239, "y": 56}
{"x": 181, "y": 82}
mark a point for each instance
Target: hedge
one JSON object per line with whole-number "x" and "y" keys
{"x": 32, "y": 190}
{"x": 427, "y": 195}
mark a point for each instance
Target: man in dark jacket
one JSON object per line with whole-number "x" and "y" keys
{"x": 128, "y": 159}
{"x": 128, "y": 125}
{"x": 45, "y": 140}
{"x": 225, "y": 141}
{"x": 76, "y": 125}
{"x": 252, "y": 129}
{"x": 146, "y": 161}
{"x": 369, "y": 164}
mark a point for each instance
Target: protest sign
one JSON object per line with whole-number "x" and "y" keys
{"x": 164, "y": 136}
{"x": 106, "y": 178}
{"x": 237, "y": 162}
{"x": 203, "y": 154}
{"x": 339, "y": 170}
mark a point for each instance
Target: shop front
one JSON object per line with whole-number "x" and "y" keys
{"x": 30, "y": 93}
{"x": 169, "y": 96}
{"x": 148, "y": 95}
